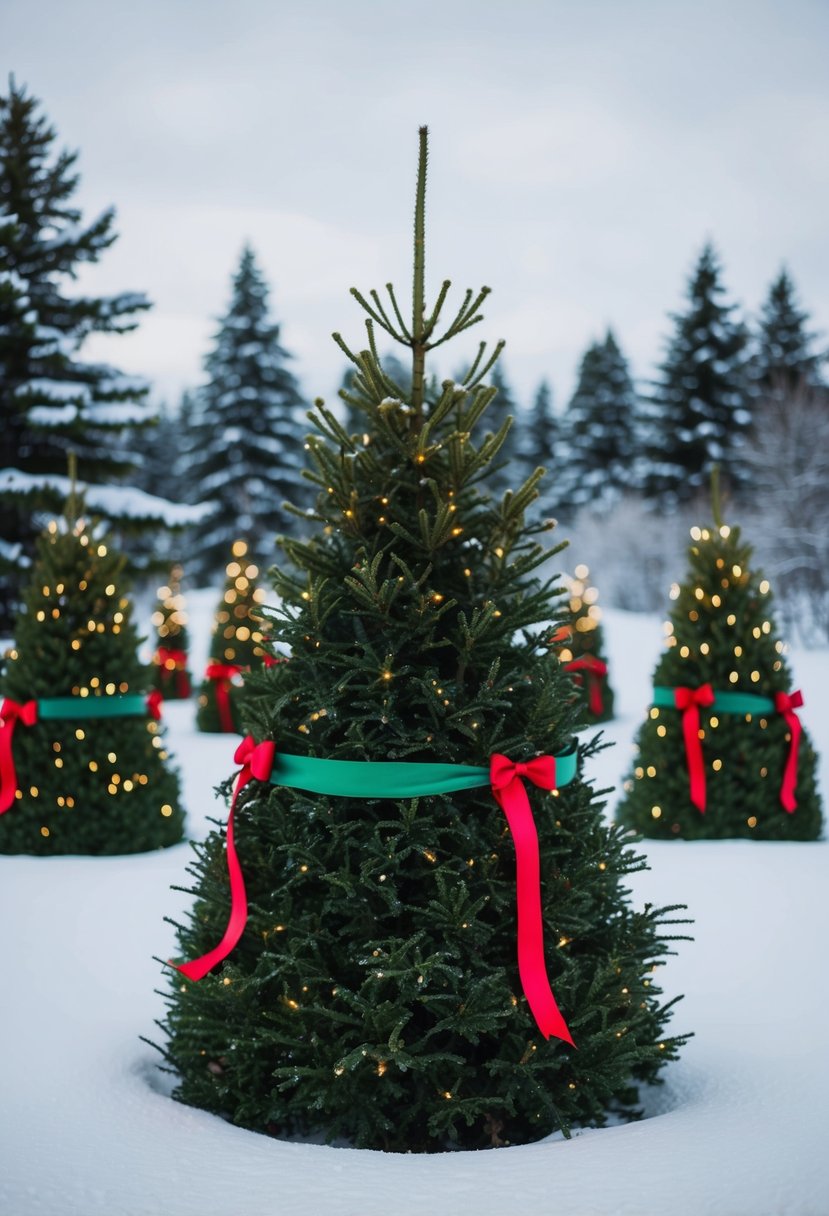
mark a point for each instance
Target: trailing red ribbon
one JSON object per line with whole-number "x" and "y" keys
{"x": 163, "y": 657}
{"x": 257, "y": 761}
{"x": 688, "y": 702}
{"x": 786, "y": 703}
{"x": 269, "y": 660}
{"x": 223, "y": 673}
{"x": 511, "y": 795}
{"x": 154, "y": 701}
{"x": 596, "y": 671}
{"x": 11, "y": 713}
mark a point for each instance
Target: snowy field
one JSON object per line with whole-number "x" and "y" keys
{"x": 739, "y": 1128}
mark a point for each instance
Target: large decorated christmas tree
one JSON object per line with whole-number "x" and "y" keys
{"x": 416, "y": 909}
{"x": 236, "y": 644}
{"x": 170, "y": 676}
{"x": 580, "y": 646}
{"x": 82, "y": 756}
{"x": 722, "y": 751}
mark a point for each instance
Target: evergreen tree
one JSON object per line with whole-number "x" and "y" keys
{"x": 170, "y": 676}
{"x": 579, "y": 644}
{"x": 237, "y": 644}
{"x": 51, "y": 400}
{"x": 249, "y": 428}
{"x": 785, "y": 354}
{"x": 721, "y": 634}
{"x": 374, "y": 993}
{"x": 89, "y": 780}
{"x": 699, "y": 412}
{"x": 600, "y": 426}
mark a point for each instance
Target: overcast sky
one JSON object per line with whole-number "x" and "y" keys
{"x": 581, "y": 153}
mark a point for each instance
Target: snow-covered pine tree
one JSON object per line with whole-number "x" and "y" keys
{"x": 509, "y": 469}
{"x": 600, "y": 430}
{"x": 538, "y": 443}
{"x": 375, "y": 992}
{"x": 785, "y": 353}
{"x": 700, "y": 410}
{"x": 51, "y": 400}
{"x": 248, "y": 430}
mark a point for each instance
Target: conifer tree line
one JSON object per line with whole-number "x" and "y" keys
{"x": 228, "y": 455}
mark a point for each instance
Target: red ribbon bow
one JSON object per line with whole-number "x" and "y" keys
{"x": 688, "y": 702}
{"x": 596, "y": 671}
{"x": 786, "y": 703}
{"x": 510, "y": 794}
{"x": 223, "y": 673}
{"x": 11, "y": 713}
{"x": 257, "y": 761}
{"x": 154, "y": 700}
{"x": 173, "y": 662}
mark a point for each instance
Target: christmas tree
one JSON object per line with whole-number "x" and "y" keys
{"x": 236, "y": 645}
{"x": 51, "y": 400}
{"x": 248, "y": 428}
{"x": 82, "y": 755}
{"x": 372, "y": 990}
{"x": 579, "y": 644}
{"x": 171, "y": 676}
{"x": 699, "y": 412}
{"x": 600, "y": 430}
{"x": 722, "y": 751}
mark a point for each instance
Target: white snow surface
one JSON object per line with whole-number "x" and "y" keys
{"x": 116, "y": 502}
{"x": 738, "y": 1129}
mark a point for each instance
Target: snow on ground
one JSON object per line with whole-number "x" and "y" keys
{"x": 738, "y": 1129}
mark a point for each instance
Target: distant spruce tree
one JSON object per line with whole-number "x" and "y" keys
{"x": 538, "y": 443}
{"x": 600, "y": 429}
{"x": 785, "y": 353}
{"x": 92, "y": 774}
{"x": 508, "y": 470}
{"x": 700, "y": 410}
{"x": 51, "y": 400}
{"x": 374, "y": 993}
{"x": 248, "y": 430}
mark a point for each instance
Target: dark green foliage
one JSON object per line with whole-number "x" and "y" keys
{"x": 580, "y": 639}
{"x": 600, "y": 430}
{"x": 721, "y": 632}
{"x": 785, "y": 354}
{"x": 248, "y": 428}
{"x": 509, "y": 469}
{"x": 700, "y": 409}
{"x": 170, "y": 674}
{"x": 102, "y": 785}
{"x": 237, "y": 640}
{"x": 374, "y": 994}
{"x": 50, "y": 399}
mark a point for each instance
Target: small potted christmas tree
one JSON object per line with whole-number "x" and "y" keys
{"x": 579, "y": 644}
{"x": 722, "y": 751}
{"x": 170, "y": 674}
{"x": 236, "y": 646}
{"x": 82, "y": 757}
{"x": 415, "y": 857}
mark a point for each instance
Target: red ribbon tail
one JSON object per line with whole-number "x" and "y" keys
{"x": 8, "y": 775}
{"x": 223, "y": 704}
{"x": 789, "y": 785}
{"x": 532, "y": 970}
{"x": 596, "y": 702}
{"x": 693, "y": 756}
{"x": 199, "y": 967}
